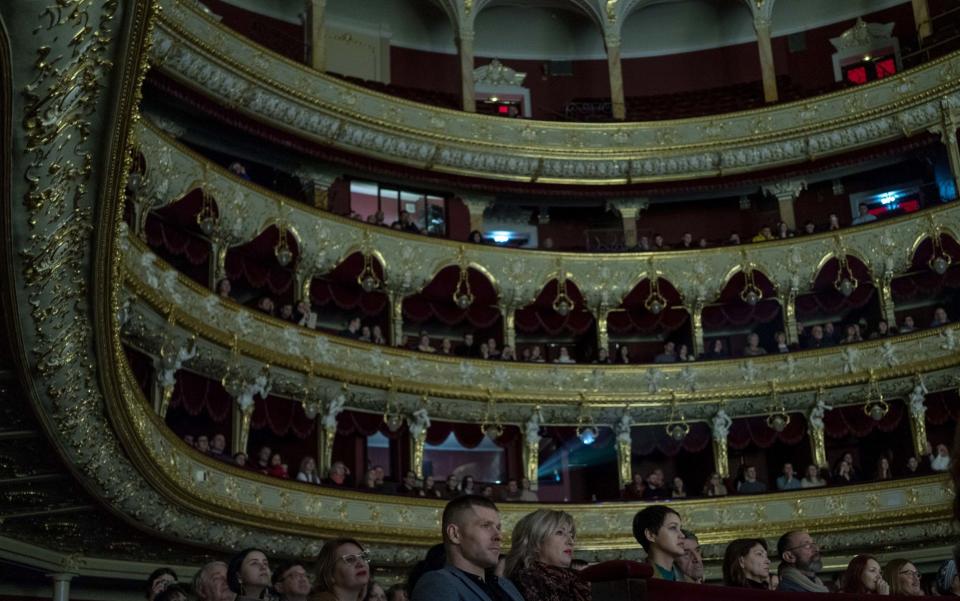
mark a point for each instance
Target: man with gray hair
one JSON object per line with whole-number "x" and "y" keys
{"x": 690, "y": 564}
{"x": 210, "y": 583}
{"x": 799, "y": 563}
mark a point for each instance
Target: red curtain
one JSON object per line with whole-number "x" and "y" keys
{"x": 435, "y": 301}
{"x": 176, "y": 241}
{"x": 845, "y": 421}
{"x": 755, "y": 431}
{"x": 648, "y": 439}
{"x": 350, "y": 298}
{"x": 198, "y": 394}
{"x": 942, "y": 407}
{"x": 739, "y": 314}
{"x": 282, "y": 416}
{"x": 256, "y": 263}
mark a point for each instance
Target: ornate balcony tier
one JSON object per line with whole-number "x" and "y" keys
{"x": 196, "y": 50}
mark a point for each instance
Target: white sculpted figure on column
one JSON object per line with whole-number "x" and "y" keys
{"x": 917, "y": 397}
{"x": 533, "y": 428}
{"x": 169, "y": 364}
{"x": 420, "y": 423}
{"x": 817, "y": 414}
{"x": 721, "y": 425}
{"x": 333, "y": 410}
{"x": 623, "y": 428}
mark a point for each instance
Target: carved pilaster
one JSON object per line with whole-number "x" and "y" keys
{"x": 696, "y": 324}
{"x": 465, "y": 48}
{"x": 508, "y": 314}
{"x": 721, "y": 463}
{"x": 762, "y": 18}
{"x": 788, "y": 304}
{"x": 617, "y": 101}
{"x": 316, "y": 183}
{"x": 947, "y": 130}
{"x": 603, "y": 336}
{"x": 921, "y": 16}
{"x": 476, "y": 206}
{"x": 396, "y": 318}
{"x": 624, "y": 452}
{"x": 316, "y": 17}
{"x": 325, "y": 453}
{"x": 887, "y": 308}
{"x": 531, "y": 463}
{"x": 818, "y": 447}
{"x": 630, "y": 209}
{"x": 417, "y": 446}
{"x": 786, "y": 193}
{"x": 241, "y": 429}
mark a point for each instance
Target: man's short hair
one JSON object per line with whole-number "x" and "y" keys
{"x": 650, "y": 519}
{"x": 785, "y": 542}
{"x": 689, "y": 535}
{"x": 281, "y": 570}
{"x": 457, "y": 507}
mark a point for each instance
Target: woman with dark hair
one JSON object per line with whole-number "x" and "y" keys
{"x": 375, "y": 592}
{"x": 883, "y": 469}
{"x": 248, "y": 575}
{"x": 159, "y": 580}
{"x": 903, "y": 578}
{"x": 746, "y": 565}
{"x": 475, "y": 237}
{"x": 343, "y": 571}
{"x": 863, "y": 576}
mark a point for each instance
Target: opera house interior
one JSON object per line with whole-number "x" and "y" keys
{"x": 478, "y": 300}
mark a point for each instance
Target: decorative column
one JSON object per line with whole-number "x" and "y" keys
{"x": 465, "y": 48}
{"x": 887, "y": 307}
{"x": 476, "y": 205}
{"x": 617, "y": 100}
{"x": 531, "y": 448}
{"x": 721, "y": 429}
{"x": 786, "y": 193}
{"x": 239, "y": 384}
{"x": 918, "y": 423}
{"x": 173, "y": 353}
{"x": 788, "y": 304}
{"x": 630, "y": 210}
{"x": 603, "y": 335}
{"x": 815, "y": 429}
{"x": 625, "y": 449}
{"x": 762, "y": 19}
{"x": 696, "y": 323}
{"x": 509, "y": 318}
{"x": 396, "y": 317}
{"x": 61, "y": 585}
{"x": 329, "y": 433}
{"x": 316, "y": 17}
{"x": 921, "y": 16}
{"x": 316, "y": 183}
{"x": 419, "y": 423}
{"x": 303, "y": 278}
{"x": 947, "y": 130}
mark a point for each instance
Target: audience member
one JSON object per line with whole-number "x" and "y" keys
{"x": 397, "y": 592}
{"x": 308, "y": 471}
{"x": 174, "y": 592}
{"x": 603, "y": 356}
{"x": 816, "y": 339}
{"x": 452, "y": 490}
{"x": 658, "y": 530}
{"x": 429, "y": 489}
{"x": 158, "y": 581}
{"x": 655, "y": 489}
{"x": 342, "y": 571}
{"x": 409, "y": 484}
{"x": 290, "y": 580}
{"x": 734, "y": 239}
{"x": 683, "y": 354}
{"x": 467, "y": 486}
{"x": 278, "y": 469}
{"x": 512, "y": 493}
{"x": 528, "y": 495}
{"x": 903, "y": 578}
{"x": 746, "y": 565}
{"x": 812, "y": 479}
{"x": 907, "y": 326}
{"x": 564, "y": 356}
{"x": 843, "y": 474}
{"x": 224, "y": 288}
{"x": 851, "y": 335}
{"x": 809, "y": 228}
{"x": 783, "y": 231}
{"x": 475, "y": 237}
{"x": 948, "y": 582}
{"x": 635, "y": 489}
{"x": 218, "y": 446}
{"x": 540, "y": 555}
{"x": 507, "y": 354}
{"x": 248, "y": 575}
{"x": 717, "y": 350}
{"x": 492, "y": 348}
{"x": 353, "y": 328}
{"x": 799, "y": 563}
{"x": 378, "y": 337}
{"x": 780, "y": 341}
{"x": 240, "y": 459}
{"x": 788, "y": 481}
{"x": 471, "y": 540}
{"x": 863, "y": 576}
{"x": 210, "y": 583}
{"x": 750, "y": 484}
{"x": 690, "y": 564}
{"x": 678, "y": 491}
{"x": 262, "y": 463}
{"x": 467, "y": 348}
{"x": 714, "y": 487}
{"x": 863, "y": 216}
{"x": 939, "y": 318}
{"x": 375, "y": 592}
{"x": 669, "y": 354}
{"x": 941, "y": 461}
{"x": 753, "y": 348}
{"x": 623, "y": 355}
{"x": 424, "y": 346}
{"x": 203, "y": 444}
{"x": 536, "y": 355}
{"x": 265, "y": 305}
{"x": 883, "y": 469}
{"x": 833, "y": 223}
{"x": 338, "y": 474}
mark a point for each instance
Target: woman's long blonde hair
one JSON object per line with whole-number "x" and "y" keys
{"x": 529, "y": 534}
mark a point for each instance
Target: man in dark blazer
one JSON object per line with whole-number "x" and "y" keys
{"x": 471, "y": 539}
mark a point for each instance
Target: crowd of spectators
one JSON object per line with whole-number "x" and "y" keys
{"x": 540, "y": 566}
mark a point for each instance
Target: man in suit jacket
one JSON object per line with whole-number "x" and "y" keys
{"x": 471, "y": 539}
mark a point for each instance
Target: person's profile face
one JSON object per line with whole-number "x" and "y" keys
{"x": 669, "y": 536}
{"x": 478, "y": 535}
{"x": 255, "y": 570}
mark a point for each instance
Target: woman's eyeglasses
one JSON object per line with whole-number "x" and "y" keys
{"x": 353, "y": 558}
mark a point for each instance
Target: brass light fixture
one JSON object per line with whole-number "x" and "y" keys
{"x": 875, "y": 407}
{"x": 845, "y": 282}
{"x": 751, "y": 293}
{"x": 491, "y": 425}
{"x": 207, "y": 218}
{"x": 368, "y": 279}
{"x": 655, "y": 301}
{"x": 562, "y": 304}
{"x": 941, "y": 260}
{"x": 778, "y": 419}
{"x": 677, "y": 428}
{"x": 587, "y": 430}
{"x": 462, "y": 295}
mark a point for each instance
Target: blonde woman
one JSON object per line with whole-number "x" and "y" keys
{"x": 540, "y": 557}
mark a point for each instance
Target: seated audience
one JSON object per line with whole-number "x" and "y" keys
{"x": 203, "y": 444}
{"x": 224, "y": 288}
{"x": 248, "y": 575}
{"x": 210, "y": 583}
{"x": 409, "y": 484}
{"x": 717, "y": 350}
{"x": 338, "y": 474}
{"x": 686, "y": 242}
{"x": 788, "y": 480}
{"x": 809, "y": 228}
{"x": 780, "y": 340}
{"x": 883, "y": 469}
{"x": 471, "y": 539}
{"x": 817, "y": 339}
{"x": 833, "y": 223}
{"x": 941, "y": 461}
{"x": 475, "y": 237}
{"x": 655, "y": 489}
{"x": 851, "y": 335}
{"x": 948, "y": 582}
{"x": 366, "y": 335}
{"x": 265, "y": 305}
{"x": 753, "y": 348}
{"x": 783, "y": 231}
{"x": 746, "y": 565}
{"x": 370, "y": 481}
{"x": 492, "y": 348}
{"x": 683, "y": 354}
{"x": 240, "y": 459}
{"x": 377, "y": 335}
{"x": 218, "y": 446}
{"x": 528, "y": 495}
{"x": 467, "y": 348}
{"x": 452, "y": 490}
{"x": 843, "y": 474}
{"x": 446, "y": 347}
{"x": 487, "y": 491}
{"x": 536, "y": 355}
{"x": 397, "y": 592}
{"x": 690, "y": 564}
{"x": 308, "y": 471}
{"x": 678, "y": 491}
{"x": 763, "y": 235}
{"x": 484, "y": 351}
{"x": 623, "y": 355}
{"x": 278, "y": 469}
{"x": 863, "y": 215}
{"x": 512, "y": 493}
{"x": 353, "y": 328}
{"x": 429, "y": 489}
{"x": 635, "y": 489}
{"x": 750, "y": 484}
{"x": 658, "y": 530}
{"x": 286, "y": 313}
{"x": 812, "y": 479}
{"x": 903, "y": 578}
{"x": 907, "y": 326}
{"x": 342, "y": 572}
{"x": 541, "y": 551}
{"x": 425, "y": 346}
{"x": 799, "y": 564}
{"x": 507, "y": 354}
{"x": 158, "y": 581}
{"x": 467, "y": 486}
{"x": 603, "y": 356}
{"x": 262, "y": 464}
{"x": 564, "y": 356}
{"x": 883, "y": 330}
{"x": 669, "y": 354}
{"x": 734, "y": 239}
{"x": 714, "y": 487}
{"x": 658, "y": 243}
{"x": 290, "y": 579}
{"x": 939, "y": 318}
{"x": 863, "y": 576}
{"x": 375, "y": 592}
{"x": 914, "y": 468}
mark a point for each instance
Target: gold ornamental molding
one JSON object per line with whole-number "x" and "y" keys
{"x": 194, "y": 49}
